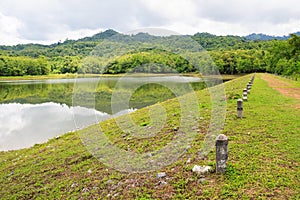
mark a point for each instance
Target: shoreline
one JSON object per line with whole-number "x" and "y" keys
{"x": 70, "y": 76}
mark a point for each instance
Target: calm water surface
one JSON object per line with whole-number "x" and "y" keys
{"x": 34, "y": 111}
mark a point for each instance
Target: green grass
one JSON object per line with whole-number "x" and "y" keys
{"x": 289, "y": 81}
{"x": 263, "y": 157}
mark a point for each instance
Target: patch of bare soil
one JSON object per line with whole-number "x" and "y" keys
{"x": 283, "y": 87}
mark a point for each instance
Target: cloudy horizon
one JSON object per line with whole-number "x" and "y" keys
{"x": 48, "y": 21}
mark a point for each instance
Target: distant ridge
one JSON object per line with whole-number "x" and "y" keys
{"x": 264, "y": 37}
{"x": 110, "y": 32}
{"x": 254, "y": 36}
{"x": 100, "y": 36}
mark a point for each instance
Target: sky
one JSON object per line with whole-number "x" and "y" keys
{"x": 48, "y": 21}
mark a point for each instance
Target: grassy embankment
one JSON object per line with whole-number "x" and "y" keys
{"x": 263, "y": 161}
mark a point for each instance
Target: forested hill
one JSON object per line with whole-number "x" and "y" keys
{"x": 83, "y": 46}
{"x": 80, "y": 47}
{"x": 260, "y": 36}
{"x": 231, "y": 55}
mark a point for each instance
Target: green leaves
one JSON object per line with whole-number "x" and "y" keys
{"x": 153, "y": 61}
{"x": 19, "y": 66}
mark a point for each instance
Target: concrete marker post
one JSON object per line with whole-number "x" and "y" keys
{"x": 221, "y": 153}
{"x": 240, "y": 108}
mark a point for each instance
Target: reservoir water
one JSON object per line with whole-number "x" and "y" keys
{"x": 34, "y": 111}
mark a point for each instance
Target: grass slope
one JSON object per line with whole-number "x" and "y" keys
{"x": 263, "y": 161}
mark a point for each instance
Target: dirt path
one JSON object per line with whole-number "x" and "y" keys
{"x": 283, "y": 87}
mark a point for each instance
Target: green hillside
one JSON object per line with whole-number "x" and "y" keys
{"x": 231, "y": 55}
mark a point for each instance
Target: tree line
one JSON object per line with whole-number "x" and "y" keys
{"x": 19, "y": 66}
{"x": 154, "y": 61}
{"x": 278, "y": 57}
{"x": 22, "y": 65}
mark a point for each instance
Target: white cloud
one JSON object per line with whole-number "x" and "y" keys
{"x": 173, "y": 9}
{"x": 9, "y": 27}
{"x": 233, "y": 17}
{"x": 66, "y": 33}
{"x": 52, "y": 20}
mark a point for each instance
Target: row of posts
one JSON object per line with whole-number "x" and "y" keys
{"x": 222, "y": 140}
{"x": 246, "y": 91}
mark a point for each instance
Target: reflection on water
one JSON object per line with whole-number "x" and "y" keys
{"x": 23, "y": 125}
{"x": 34, "y": 111}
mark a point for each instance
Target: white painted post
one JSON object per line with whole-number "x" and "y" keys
{"x": 248, "y": 88}
{"x": 245, "y": 93}
{"x": 250, "y": 84}
{"x": 245, "y": 98}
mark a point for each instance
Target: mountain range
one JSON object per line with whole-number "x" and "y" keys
{"x": 264, "y": 37}
{"x": 110, "y": 32}
{"x": 82, "y": 47}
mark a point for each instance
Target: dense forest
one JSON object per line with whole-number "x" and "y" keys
{"x": 230, "y": 55}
